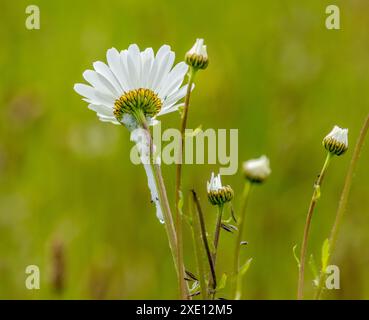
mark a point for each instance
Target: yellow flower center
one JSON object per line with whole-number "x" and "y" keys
{"x": 137, "y": 101}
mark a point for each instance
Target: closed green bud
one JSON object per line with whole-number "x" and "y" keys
{"x": 336, "y": 142}
{"x": 218, "y": 194}
{"x": 197, "y": 57}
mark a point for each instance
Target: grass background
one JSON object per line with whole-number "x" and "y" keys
{"x": 276, "y": 73}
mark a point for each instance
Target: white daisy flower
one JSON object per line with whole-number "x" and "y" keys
{"x": 133, "y": 89}
{"x": 257, "y": 170}
{"x": 217, "y": 193}
{"x": 135, "y": 85}
{"x": 336, "y": 142}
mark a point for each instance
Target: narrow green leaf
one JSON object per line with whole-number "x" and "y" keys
{"x": 222, "y": 283}
{"x": 325, "y": 254}
{"x": 245, "y": 267}
{"x": 239, "y": 278}
{"x": 313, "y": 267}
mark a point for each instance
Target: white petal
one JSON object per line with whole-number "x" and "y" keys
{"x": 102, "y": 69}
{"x": 108, "y": 119}
{"x": 100, "y": 83}
{"x": 147, "y": 59}
{"x": 172, "y": 108}
{"x": 123, "y": 59}
{"x": 178, "y": 95}
{"x": 114, "y": 61}
{"x": 94, "y": 96}
{"x": 166, "y": 64}
{"x": 102, "y": 110}
{"x": 173, "y": 80}
{"x": 134, "y": 70}
{"x": 155, "y": 68}
{"x": 134, "y": 49}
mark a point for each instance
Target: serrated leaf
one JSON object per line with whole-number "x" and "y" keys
{"x": 313, "y": 267}
{"x": 295, "y": 255}
{"x": 222, "y": 283}
{"x": 325, "y": 254}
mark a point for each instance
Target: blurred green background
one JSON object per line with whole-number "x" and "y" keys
{"x": 68, "y": 188}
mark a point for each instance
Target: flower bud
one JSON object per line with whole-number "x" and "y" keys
{"x": 218, "y": 194}
{"x": 336, "y": 142}
{"x": 197, "y": 57}
{"x": 257, "y": 170}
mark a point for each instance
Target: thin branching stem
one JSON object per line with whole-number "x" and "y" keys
{"x": 217, "y": 232}
{"x": 178, "y": 193}
{"x": 240, "y": 227}
{"x": 314, "y": 199}
{"x": 343, "y": 201}
{"x": 199, "y": 251}
{"x": 216, "y": 240}
{"x": 213, "y": 279}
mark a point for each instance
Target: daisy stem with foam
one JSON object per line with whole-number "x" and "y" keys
{"x": 313, "y": 202}
{"x": 343, "y": 201}
{"x": 164, "y": 203}
{"x": 182, "y": 284}
{"x": 133, "y": 89}
{"x": 240, "y": 225}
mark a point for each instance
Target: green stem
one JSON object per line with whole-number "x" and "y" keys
{"x": 164, "y": 203}
{"x": 216, "y": 241}
{"x": 213, "y": 279}
{"x": 169, "y": 224}
{"x": 217, "y": 232}
{"x": 240, "y": 226}
{"x": 343, "y": 201}
{"x": 314, "y": 199}
{"x": 178, "y": 193}
{"x": 200, "y": 254}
